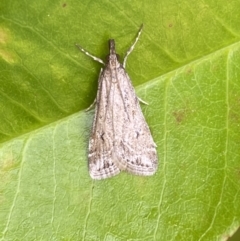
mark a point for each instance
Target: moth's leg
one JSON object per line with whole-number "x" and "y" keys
{"x": 142, "y": 101}
{"x": 95, "y": 100}
{"x": 90, "y": 55}
{"x": 93, "y": 104}
{"x": 133, "y": 45}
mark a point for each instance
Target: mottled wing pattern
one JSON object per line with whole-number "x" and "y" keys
{"x": 134, "y": 148}
{"x": 101, "y": 163}
{"x": 120, "y": 139}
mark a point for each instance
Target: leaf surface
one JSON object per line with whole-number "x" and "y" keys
{"x": 186, "y": 66}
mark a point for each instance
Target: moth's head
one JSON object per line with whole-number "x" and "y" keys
{"x": 112, "y": 58}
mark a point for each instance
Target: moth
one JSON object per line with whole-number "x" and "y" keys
{"x": 120, "y": 138}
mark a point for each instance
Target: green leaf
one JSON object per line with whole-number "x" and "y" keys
{"x": 186, "y": 66}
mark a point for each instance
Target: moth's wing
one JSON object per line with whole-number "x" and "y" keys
{"x": 134, "y": 148}
{"x": 101, "y": 164}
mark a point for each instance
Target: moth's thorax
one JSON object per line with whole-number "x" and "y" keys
{"x": 113, "y": 62}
